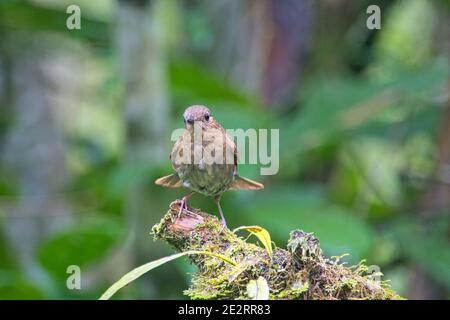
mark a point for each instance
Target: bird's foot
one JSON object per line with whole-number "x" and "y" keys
{"x": 184, "y": 208}
{"x": 175, "y": 203}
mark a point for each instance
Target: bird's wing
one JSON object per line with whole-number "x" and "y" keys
{"x": 181, "y": 146}
{"x": 230, "y": 146}
{"x": 170, "y": 181}
{"x": 173, "y": 180}
{"x": 241, "y": 183}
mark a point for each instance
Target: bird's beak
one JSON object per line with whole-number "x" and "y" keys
{"x": 190, "y": 125}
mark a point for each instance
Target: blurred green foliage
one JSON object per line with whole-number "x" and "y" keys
{"x": 356, "y": 150}
{"x": 85, "y": 243}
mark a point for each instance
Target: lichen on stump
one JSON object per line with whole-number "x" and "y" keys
{"x": 300, "y": 271}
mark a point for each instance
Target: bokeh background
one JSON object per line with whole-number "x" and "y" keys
{"x": 86, "y": 118}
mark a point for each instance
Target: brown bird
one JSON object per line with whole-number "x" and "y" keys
{"x": 205, "y": 159}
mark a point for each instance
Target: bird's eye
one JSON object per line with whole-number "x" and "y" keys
{"x": 207, "y": 117}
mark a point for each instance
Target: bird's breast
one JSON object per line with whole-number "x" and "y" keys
{"x": 197, "y": 165}
{"x": 208, "y": 179}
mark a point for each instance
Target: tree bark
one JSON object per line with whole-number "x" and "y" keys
{"x": 34, "y": 149}
{"x": 143, "y": 69}
{"x": 262, "y": 46}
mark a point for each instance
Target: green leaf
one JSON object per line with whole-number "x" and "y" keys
{"x": 335, "y": 107}
{"x": 191, "y": 83}
{"x": 262, "y": 234}
{"x": 407, "y": 38}
{"x": 24, "y": 15}
{"x": 14, "y": 286}
{"x": 258, "y": 289}
{"x": 139, "y": 271}
{"x": 80, "y": 245}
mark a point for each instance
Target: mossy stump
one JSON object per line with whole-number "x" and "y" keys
{"x": 298, "y": 272}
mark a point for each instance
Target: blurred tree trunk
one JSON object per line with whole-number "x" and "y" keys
{"x": 33, "y": 153}
{"x": 143, "y": 65}
{"x": 262, "y": 45}
{"x": 437, "y": 198}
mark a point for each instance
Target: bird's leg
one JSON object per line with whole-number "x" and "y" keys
{"x": 184, "y": 205}
{"x": 224, "y": 223}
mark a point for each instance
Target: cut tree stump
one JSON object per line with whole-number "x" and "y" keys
{"x": 300, "y": 271}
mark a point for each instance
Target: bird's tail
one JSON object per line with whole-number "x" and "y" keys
{"x": 241, "y": 183}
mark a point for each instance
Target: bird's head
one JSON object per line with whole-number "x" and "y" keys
{"x": 197, "y": 114}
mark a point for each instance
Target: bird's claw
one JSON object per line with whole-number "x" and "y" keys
{"x": 184, "y": 208}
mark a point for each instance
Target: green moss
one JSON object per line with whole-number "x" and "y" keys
{"x": 293, "y": 292}
{"x": 300, "y": 272}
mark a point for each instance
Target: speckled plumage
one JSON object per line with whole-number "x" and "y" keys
{"x": 208, "y": 179}
{"x": 203, "y": 176}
